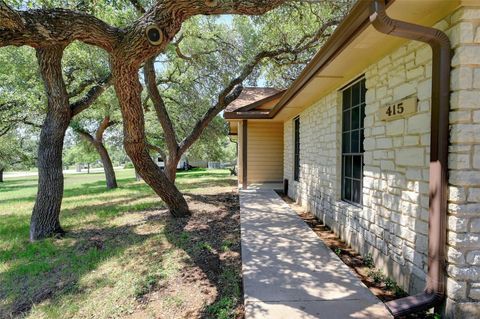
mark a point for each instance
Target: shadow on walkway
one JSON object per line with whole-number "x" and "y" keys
{"x": 288, "y": 272}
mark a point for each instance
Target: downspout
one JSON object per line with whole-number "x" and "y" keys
{"x": 434, "y": 292}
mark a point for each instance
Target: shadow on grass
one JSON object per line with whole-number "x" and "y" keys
{"x": 205, "y": 244}
{"x": 52, "y": 268}
{"x": 14, "y": 226}
{"x": 129, "y": 184}
{"x": 11, "y": 188}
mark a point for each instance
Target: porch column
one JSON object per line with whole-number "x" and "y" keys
{"x": 244, "y": 154}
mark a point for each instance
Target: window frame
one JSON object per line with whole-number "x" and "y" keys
{"x": 296, "y": 149}
{"x": 352, "y": 151}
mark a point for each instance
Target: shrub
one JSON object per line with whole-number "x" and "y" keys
{"x": 368, "y": 261}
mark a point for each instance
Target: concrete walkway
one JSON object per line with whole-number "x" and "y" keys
{"x": 288, "y": 272}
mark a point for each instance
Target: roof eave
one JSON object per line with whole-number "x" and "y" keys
{"x": 246, "y": 115}
{"x": 353, "y": 24}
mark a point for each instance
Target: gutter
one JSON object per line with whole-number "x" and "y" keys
{"x": 434, "y": 292}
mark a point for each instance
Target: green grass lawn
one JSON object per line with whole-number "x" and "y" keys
{"x": 123, "y": 255}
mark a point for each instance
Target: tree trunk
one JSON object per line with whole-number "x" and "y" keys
{"x": 1, "y": 175}
{"x": 45, "y": 216}
{"x": 107, "y": 165}
{"x": 88, "y": 168}
{"x": 171, "y": 168}
{"x": 97, "y": 142}
{"x": 128, "y": 89}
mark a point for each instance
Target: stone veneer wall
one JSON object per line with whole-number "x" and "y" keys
{"x": 393, "y": 222}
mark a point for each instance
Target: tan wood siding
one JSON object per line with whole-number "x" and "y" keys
{"x": 265, "y": 152}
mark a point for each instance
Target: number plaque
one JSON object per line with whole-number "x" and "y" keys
{"x": 398, "y": 110}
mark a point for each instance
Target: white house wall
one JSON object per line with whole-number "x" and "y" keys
{"x": 392, "y": 225}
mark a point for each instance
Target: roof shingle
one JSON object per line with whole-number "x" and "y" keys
{"x": 251, "y": 95}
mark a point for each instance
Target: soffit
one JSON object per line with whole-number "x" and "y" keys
{"x": 367, "y": 48}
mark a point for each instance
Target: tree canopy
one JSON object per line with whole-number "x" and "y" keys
{"x": 194, "y": 56}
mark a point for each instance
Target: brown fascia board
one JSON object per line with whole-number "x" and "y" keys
{"x": 353, "y": 24}
{"x": 243, "y": 112}
{"x": 246, "y": 115}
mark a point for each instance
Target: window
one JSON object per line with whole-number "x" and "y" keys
{"x": 296, "y": 170}
{"x": 352, "y": 141}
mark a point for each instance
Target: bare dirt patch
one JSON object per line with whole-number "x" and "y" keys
{"x": 209, "y": 283}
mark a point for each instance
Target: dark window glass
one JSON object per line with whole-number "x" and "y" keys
{"x": 355, "y": 118}
{"x": 352, "y": 142}
{"x": 355, "y": 145}
{"x": 363, "y": 91}
{"x": 346, "y": 143}
{"x": 356, "y": 191}
{"x": 347, "y": 98}
{"x": 357, "y": 167}
{"x": 296, "y": 170}
{"x": 362, "y": 116}
{"x": 348, "y": 166}
{"x": 356, "y": 94}
{"x": 362, "y": 138}
{"x": 348, "y": 188}
{"x": 346, "y": 120}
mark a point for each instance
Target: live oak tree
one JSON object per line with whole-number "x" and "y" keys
{"x": 21, "y": 104}
{"x": 91, "y": 126}
{"x": 57, "y": 117}
{"x": 205, "y": 67}
{"x": 21, "y": 95}
{"x": 50, "y": 31}
{"x": 96, "y": 140}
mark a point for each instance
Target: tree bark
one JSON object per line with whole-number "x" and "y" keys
{"x": 107, "y": 166}
{"x": 128, "y": 89}
{"x": 171, "y": 168}
{"x": 1, "y": 175}
{"x": 45, "y": 216}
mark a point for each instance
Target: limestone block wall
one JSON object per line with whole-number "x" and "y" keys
{"x": 392, "y": 225}
{"x": 464, "y": 164}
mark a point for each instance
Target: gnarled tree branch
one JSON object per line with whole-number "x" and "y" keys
{"x": 39, "y": 28}
{"x": 160, "y": 109}
{"x": 91, "y": 96}
{"x": 9, "y": 18}
{"x": 106, "y": 123}
{"x": 158, "y": 150}
{"x": 234, "y": 88}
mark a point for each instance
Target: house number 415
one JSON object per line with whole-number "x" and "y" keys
{"x": 395, "y": 109}
{"x": 398, "y": 109}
